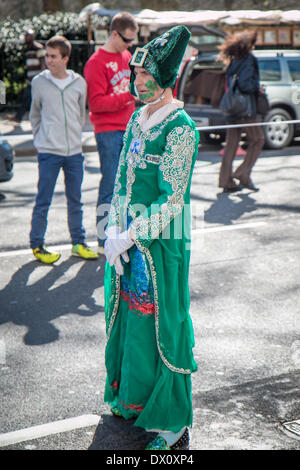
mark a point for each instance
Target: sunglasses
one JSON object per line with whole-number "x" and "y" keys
{"x": 126, "y": 40}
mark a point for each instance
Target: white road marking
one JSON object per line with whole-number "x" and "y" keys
{"x": 201, "y": 231}
{"x": 42, "y": 430}
{"x": 223, "y": 228}
{"x": 292, "y": 428}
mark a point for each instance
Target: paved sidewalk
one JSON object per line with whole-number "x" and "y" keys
{"x": 23, "y": 145}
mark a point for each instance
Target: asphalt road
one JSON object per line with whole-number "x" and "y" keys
{"x": 245, "y": 305}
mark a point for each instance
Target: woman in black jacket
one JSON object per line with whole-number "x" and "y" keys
{"x": 236, "y": 51}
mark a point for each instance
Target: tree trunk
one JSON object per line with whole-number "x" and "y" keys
{"x": 228, "y": 4}
{"x": 51, "y": 6}
{"x": 160, "y": 5}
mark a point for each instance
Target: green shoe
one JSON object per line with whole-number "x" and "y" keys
{"x": 84, "y": 251}
{"x": 157, "y": 444}
{"x": 182, "y": 443}
{"x": 115, "y": 411}
{"x": 45, "y": 256}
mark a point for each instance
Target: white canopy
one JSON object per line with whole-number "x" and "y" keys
{"x": 155, "y": 19}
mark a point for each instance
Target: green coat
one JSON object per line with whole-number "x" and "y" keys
{"x": 153, "y": 187}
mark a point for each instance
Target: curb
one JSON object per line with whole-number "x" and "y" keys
{"x": 31, "y": 151}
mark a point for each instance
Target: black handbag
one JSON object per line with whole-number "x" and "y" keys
{"x": 262, "y": 103}
{"x": 234, "y": 102}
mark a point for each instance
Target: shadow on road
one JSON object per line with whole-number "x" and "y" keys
{"x": 225, "y": 210}
{"x": 57, "y": 293}
{"x": 114, "y": 433}
{"x": 260, "y": 404}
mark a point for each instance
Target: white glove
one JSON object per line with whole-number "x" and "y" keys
{"x": 113, "y": 232}
{"x": 114, "y": 247}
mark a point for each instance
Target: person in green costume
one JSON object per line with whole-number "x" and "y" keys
{"x": 149, "y": 358}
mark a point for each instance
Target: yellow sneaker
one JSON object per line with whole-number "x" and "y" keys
{"x": 45, "y": 256}
{"x": 84, "y": 251}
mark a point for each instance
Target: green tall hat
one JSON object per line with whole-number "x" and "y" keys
{"x": 161, "y": 57}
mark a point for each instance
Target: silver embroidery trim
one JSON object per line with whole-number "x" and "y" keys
{"x": 175, "y": 167}
{"x": 153, "y": 275}
{"x": 156, "y": 159}
{"x": 115, "y": 307}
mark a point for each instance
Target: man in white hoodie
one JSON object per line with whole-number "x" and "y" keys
{"x": 57, "y": 116}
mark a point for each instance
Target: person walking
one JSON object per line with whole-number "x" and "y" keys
{"x": 57, "y": 116}
{"x": 236, "y": 52}
{"x": 148, "y": 356}
{"x": 111, "y": 105}
{"x": 34, "y": 64}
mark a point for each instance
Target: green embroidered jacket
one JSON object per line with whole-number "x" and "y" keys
{"x": 153, "y": 187}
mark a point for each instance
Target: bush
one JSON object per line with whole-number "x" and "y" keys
{"x": 46, "y": 25}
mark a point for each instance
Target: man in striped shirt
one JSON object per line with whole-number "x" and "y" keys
{"x": 34, "y": 63}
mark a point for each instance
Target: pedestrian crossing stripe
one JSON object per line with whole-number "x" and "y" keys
{"x": 42, "y": 430}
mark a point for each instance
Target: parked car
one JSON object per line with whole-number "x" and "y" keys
{"x": 6, "y": 160}
{"x": 279, "y": 73}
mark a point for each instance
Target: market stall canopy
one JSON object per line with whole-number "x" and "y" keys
{"x": 261, "y": 18}
{"x": 96, "y": 8}
{"x": 156, "y": 19}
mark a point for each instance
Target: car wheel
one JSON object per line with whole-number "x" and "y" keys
{"x": 278, "y": 136}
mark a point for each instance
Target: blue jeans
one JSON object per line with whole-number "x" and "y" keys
{"x": 49, "y": 168}
{"x": 109, "y": 145}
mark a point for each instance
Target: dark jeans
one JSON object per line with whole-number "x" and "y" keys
{"x": 25, "y": 104}
{"x": 49, "y": 168}
{"x": 109, "y": 145}
{"x": 255, "y": 138}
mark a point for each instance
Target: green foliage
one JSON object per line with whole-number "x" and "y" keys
{"x": 45, "y": 26}
{"x": 12, "y": 45}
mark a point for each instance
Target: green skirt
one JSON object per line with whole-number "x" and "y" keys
{"x": 138, "y": 382}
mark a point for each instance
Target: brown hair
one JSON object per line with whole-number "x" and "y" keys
{"x": 237, "y": 45}
{"x": 61, "y": 43}
{"x": 122, "y": 21}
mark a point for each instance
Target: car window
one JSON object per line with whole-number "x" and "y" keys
{"x": 206, "y": 39}
{"x": 294, "y": 67}
{"x": 269, "y": 70}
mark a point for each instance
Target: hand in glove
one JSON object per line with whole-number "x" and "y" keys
{"x": 117, "y": 246}
{"x": 113, "y": 233}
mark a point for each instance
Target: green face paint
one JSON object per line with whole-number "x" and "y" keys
{"x": 151, "y": 85}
